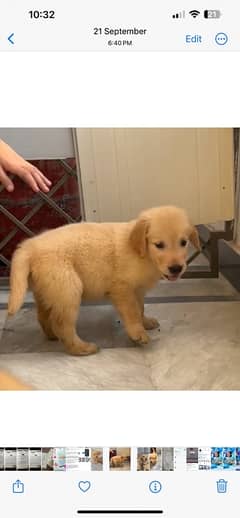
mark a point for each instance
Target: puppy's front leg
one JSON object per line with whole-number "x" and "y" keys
{"x": 148, "y": 322}
{"x": 126, "y": 302}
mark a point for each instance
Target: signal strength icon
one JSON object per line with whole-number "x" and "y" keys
{"x": 179, "y": 15}
{"x": 194, "y": 13}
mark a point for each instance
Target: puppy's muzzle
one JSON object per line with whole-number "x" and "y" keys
{"x": 175, "y": 269}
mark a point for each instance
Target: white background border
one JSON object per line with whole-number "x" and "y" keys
{"x": 123, "y": 89}
{"x": 121, "y": 418}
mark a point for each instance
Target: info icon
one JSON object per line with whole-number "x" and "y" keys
{"x": 155, "y": 486}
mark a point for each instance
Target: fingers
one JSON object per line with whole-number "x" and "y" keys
{"x": 34, "y": 178}
{"x": 6, "y": 181}
{"x": 29, "y": 179}
{"x": 13, "y": 163}
{"x": 30, "y": 175}
{"x": 44, "y": 177}
{"x": 41, "y": 180}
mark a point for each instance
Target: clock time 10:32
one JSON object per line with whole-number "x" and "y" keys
{"x": 35, "y": 15}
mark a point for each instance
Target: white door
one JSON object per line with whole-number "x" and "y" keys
{"x": 126, "y": 170}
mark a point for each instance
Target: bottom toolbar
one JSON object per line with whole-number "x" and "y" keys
{"x": 68, "y": 494}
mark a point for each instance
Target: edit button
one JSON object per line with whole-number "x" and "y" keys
{"x": 193, "y": 38}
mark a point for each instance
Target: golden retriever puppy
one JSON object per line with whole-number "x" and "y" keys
{"x": 92, "y": 261}
{"x": 143, "y": 463}
{"x": 97, "y": 457}
{"x": 117, "y": 461}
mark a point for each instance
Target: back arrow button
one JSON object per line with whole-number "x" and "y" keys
{"x": 10, "y": 38}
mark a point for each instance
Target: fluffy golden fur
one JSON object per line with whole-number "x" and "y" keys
{"x": 118, "y": 461}
{"x": 143, "y": 463}
{"x": 97, "y": 457}
{"x": 91, "y": 261}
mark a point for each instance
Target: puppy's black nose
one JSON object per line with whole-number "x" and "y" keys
{"x": 175, "y": 268}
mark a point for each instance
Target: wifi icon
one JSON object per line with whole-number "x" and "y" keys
{"x": 194, "y": 13}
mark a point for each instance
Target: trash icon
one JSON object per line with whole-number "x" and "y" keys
{"x": 222, "y": 486}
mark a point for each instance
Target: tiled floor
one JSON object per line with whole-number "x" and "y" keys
{"x": 197, "y": 346}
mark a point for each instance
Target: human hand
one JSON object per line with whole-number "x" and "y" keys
{"x": 11, "y": 162}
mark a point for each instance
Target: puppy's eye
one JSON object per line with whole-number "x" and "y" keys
{"x": 183, "y": 242}
{"x": 160, "y": 245}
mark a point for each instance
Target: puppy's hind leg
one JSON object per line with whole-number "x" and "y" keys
{"x": 44, "y": 319}
{"x": 64, "y": 311}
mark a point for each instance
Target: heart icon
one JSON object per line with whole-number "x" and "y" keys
{"x": 84, "y": 485}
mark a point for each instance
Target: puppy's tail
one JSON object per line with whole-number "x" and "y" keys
{"x": 20, "y": 269}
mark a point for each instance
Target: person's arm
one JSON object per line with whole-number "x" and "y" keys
{"x": 11, "y": 162}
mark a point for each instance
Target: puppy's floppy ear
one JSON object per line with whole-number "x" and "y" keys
{"x": 194, "y": 238}
{"x": 138, "y": 236}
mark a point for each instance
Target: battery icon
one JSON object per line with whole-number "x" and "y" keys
{"x": 212, "y": 14}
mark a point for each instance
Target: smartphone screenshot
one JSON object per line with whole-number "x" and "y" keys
{"x": 119, "y": 259}
{"x": 22, "y": 459}
{"x": 10, "y": 457}
{"x": 35, "y": 459}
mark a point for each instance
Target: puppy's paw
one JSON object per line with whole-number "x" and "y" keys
{"x": 83, "y": 349}
{"x": 143, "y": 339}
{"x": 140, "y": 336}
{"x": 90, "y": 348}
{"x": 150, "y": 323}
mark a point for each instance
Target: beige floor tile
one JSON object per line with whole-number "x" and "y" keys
{"x": 110, "y": 369}
{"x": 198, "y": 346}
